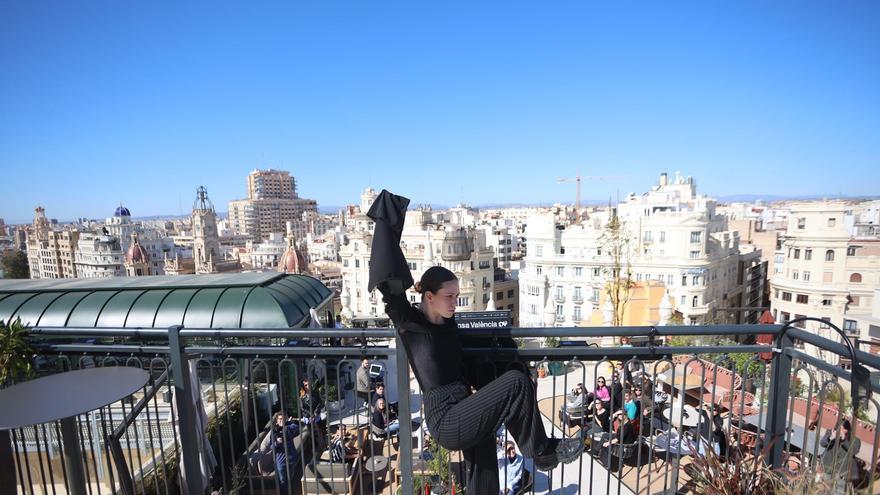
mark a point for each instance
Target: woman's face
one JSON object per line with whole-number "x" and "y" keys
{"x": 600, "y": 382}
{"x": 445, "y": 300}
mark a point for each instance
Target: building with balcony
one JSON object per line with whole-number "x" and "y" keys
{"x": 272, "y": 201}
{"x": 831, "y": 266}
{"x": 670, "y": 234}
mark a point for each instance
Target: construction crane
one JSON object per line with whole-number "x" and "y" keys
{"x": 577, "y": 179}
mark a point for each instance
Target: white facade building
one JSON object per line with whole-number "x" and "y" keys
{"x": 99, "y": 256}
{"x": 830, "y": 267}
{"x": 675, "y": 237}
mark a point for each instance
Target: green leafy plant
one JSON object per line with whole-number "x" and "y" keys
{"x": 551, "y": 341}
{"x": 16, "y": 353}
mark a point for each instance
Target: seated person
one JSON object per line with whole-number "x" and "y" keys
{"x": 379, "y": 393}
{"x": 629, "y": 406}
{"x": 576, "y": 403}
{"x": 286, "y": 455}
{"x": 622, "y": 433}
{"x": 381, "y": 420}
{"x": 602, "y": 392}
{"x": 339, "y": 451}
{"x": 601, "y": 423}
{"x": 510, "y": 469}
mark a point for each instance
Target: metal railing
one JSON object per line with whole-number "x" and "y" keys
{"x": 213, "y": 394}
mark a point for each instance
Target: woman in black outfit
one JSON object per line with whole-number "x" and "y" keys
{"x": 457, "y": 418}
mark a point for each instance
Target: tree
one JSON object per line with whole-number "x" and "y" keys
{"x": 616, "y": 242}
{"x": 16, "y": 362}
{"x": 15, "y": 265}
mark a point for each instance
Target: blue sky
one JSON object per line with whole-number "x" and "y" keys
{"x": 141, "y": 102}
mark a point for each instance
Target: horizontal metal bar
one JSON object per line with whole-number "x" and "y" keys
{"x": 599, "y": 353}
{"x": 376, "y": 333}
{"x": 102, "y": 349}
{"x": 865, "y": 359}
{"x": 818, "y": 363}
{"x": 99, "y": 332}
{"x": 332, "y": 352}
{"x": 622, "y": 331}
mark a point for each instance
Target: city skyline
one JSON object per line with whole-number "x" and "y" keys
{"x": 108, "y": 103}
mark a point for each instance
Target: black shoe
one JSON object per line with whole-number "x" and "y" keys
{"x": 558, "y": 450}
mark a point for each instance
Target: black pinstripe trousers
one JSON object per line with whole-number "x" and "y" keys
{"x": 459, "y": 420}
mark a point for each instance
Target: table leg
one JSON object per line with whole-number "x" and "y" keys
{"x": 73, "y": 459}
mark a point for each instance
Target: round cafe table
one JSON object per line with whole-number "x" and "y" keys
{"x": 64, "y": 396}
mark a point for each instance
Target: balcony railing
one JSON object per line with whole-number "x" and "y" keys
{"x": 772, "y": 401}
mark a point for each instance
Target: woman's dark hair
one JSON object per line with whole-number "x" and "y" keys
{"x": 433, "y": 279}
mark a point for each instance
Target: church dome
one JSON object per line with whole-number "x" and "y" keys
{"x": 121, "y": 211}
{"x": 293, "y": 261}
{"x": 136, "y": 253}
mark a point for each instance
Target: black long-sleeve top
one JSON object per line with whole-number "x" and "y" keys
{"x": 434, "y": 351}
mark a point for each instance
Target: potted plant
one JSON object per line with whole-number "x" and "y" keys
{"x": 334, "y": 403}
{"x": 16, "y": 363}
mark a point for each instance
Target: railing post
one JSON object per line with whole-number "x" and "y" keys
{"x": 780, "y": 385}
{"x": 405, "y": 418}
{"x": 186, "y": 419}
{"x": 73, "y": 459}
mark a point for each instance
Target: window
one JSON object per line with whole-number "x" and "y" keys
{"x": 560, "y": 293}
{"x": 539, "y": 270}
{"x": 533, "y": 309}
{"x": 801, "y": 324}
{"x": 357, "y": 263}
{"x": 510, "y": 293}
{"x": 696, "y": 237}
{"x": 499, "y": 295}
{"x": 412, "y": 298}
{"x": 647, "y": 236}
{"x": 539, "y": 250}
{"x": 802, "y": 299}
{"x": 595, "y": 296}
{"x": 825, "y": 321}
{"x": 662, "y": 236}
{"x": 695, "y": 301}
{"x": 806, "y": 276}
{"x": 595, "y": 272}
{"x": 695, "y": 255}
{"x": 794, "y": 274}
{"x": 485, "y": 298}
{"x": 577, "y": 313}
{"x": 695, "y": 280}
{"x": 850, "y": 326}
{"x": 578, "y": 271}
{"x": 463, "y": 301}
{"x": 669, "y": 280}
{"x": 851, "y": 251}
{"x": 832, "y": 222}
{"x": 786, "y": 317}
{"x": 808, "y": 254}
{"x": 786, "y": 296}
{"x": 683, "y": 300}
{"x": 829, "y": 255}
{"x": 345, "y": 263}
{"x": 826, "y": 302}
{"x": 797, "y": 254}
{"x": 560, "y": 271}
{"x": 801, "y": 223}
{"x": 577, "y": 293}
{"x": 412, "y": 266}
{"x": 558, "y": 310}
{"x": 684, "y": 280}
{"x": 855, "y": 278}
